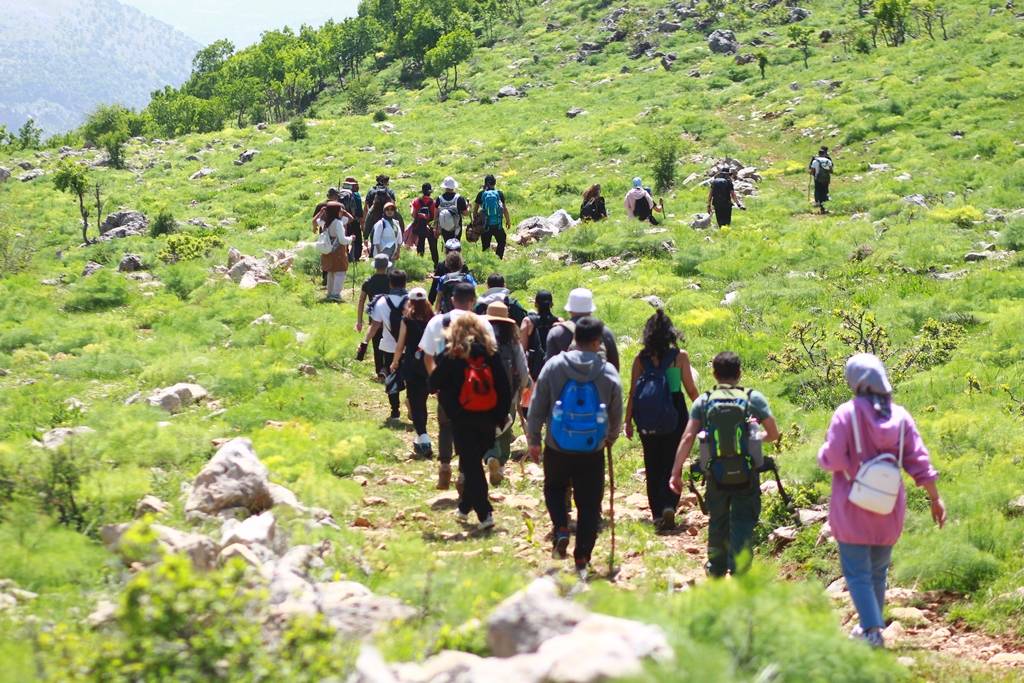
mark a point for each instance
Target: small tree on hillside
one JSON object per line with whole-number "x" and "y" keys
{"x": 72, "y": 178}
{"x": 297, "y": 129}
{"x": 30, "y": 136}
{"x": 801, "y": 37}
{"x": 6, "y": 136}
{"x": 666, "y": 153}
{"x": 891, "y": 19}
{"x": 442, "y": 61}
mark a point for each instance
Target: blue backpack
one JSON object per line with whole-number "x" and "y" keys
{"x": 492, "y": 207}
{"x": 653, "y": 410}
{"x": 579, "y": 421}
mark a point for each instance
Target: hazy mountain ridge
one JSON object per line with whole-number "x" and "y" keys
{"x": 108, "y": 52}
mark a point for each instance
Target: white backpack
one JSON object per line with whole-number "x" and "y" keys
{"x": 448, "y": 214}
{"x": 876, "y": 487}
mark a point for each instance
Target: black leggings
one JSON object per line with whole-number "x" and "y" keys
{"x": 723, "y": 213}
{"x": 386, "y": 358}
{"x": 659, "y": 456}
{"x": 423, "y": 239}
{"x": 416, "y": 393}
{"x": 584, "y": 472}
{"x": 500, "y": 238}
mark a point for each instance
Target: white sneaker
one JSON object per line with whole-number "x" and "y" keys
{"x": 486, "y": 524}
{"x": 462, "y": 517}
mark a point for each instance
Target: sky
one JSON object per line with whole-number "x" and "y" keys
{"x": 242, "y": 21}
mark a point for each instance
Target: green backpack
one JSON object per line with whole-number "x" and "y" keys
{"x": 725, "y": 447}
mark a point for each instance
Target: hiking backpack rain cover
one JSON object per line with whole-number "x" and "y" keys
{"x": 579, "y": 421}
{"x": 478, "y": 393}
{"x": 725, "y": 447}
{"x": 654, "y": 412}
{"x": 876, "y": 488}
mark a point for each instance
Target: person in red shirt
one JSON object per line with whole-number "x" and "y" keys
{"x": 424, "y": 211}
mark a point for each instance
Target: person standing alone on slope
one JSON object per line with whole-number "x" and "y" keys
{"x": 721, "y": 197}
{"x": 490, "y": 202}
{"x": 821, "y": 168}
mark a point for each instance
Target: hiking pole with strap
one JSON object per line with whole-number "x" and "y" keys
{"x": 611, "y": 486}
{"x": 700, "y": 498}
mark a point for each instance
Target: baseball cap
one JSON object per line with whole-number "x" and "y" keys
{"x": 417, "y": 294}
{"x": 453, "y": 245}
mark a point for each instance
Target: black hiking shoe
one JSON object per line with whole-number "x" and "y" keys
{"x": 561, "y": 549}
{"x": 668, "y": 520}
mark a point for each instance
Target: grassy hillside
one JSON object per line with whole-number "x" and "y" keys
{"x": 943, "y": 116}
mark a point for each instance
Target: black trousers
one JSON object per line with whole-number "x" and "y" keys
{"x": 445, "y": 440}
{"x": 585, "y": 473}
{"x": 473, "y": 438}
{"x": 378, "y": 358}
{"x": 820, "y": 192}
{"x": 393, "y": 399}
{"x": 423, "y": 238}
{"x": 723, "y": 213}
{"x": 500, "y": 238}
{"x": 659, "y": 456}
{"x": 416, "y": 392}
{"x": 355, "y": 252}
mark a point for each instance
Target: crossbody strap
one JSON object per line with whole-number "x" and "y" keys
{"x": 857, "y": 441}
{"x": 903, "y": 429}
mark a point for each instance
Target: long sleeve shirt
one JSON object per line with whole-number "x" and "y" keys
{"x": 633, "y": 195}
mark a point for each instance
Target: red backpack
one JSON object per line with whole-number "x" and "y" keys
{"x": 478, "y": 394}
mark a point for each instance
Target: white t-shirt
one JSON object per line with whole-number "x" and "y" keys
{"x": 385, "y": 233}
{"x": 381, "y": 313}
{"x": 432, "y": 342}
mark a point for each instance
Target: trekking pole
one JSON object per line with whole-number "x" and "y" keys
{"x": 700, "y": 499}
{"x": 808, "y": 187}
{"x": 611, "y": 486}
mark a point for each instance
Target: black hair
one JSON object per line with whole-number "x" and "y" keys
{"x": 495, "y": 280}
{"x": 504, "y": 333}
{"x": 588, "y": 330}
{"x": 427, "y": 188}
{"x": 489, "y": 181}
{"x": 383, "y": 179}
{"x": 333, "y": 192}
{"x": 464, "y": 293}
{"x": 660, "y": 335}
{"x": 726, "y": 366}
{"x": 544, "y": 301}
{"x": 397, "y": 279}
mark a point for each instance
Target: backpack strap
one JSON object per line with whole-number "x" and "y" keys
{"x": 859, "y": 445}
{"x": 903, "y": 429}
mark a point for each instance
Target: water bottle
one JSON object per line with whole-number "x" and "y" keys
{"x": 556, "y": 412}
{"x": 704, "y": 457}
{"x": 755, "y": 443}
{"x": 602, "y": 414}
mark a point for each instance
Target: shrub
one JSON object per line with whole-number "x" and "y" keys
{"x": 14, "y": 251}
{"x": 380, "y": 115}
{"x": 163, "y": 225}
{"x": 188, "y": 245}
{"x": 947, "y": 564}
{"x": 181, "y": 279}
{"x": 665, "y": 156}
{"x": 297, "y": 129}
{"x": 362, "y": 93}
{"x": 100, "y": 292}
{"x": 1013, "y": 236}
{"x": 960, "y": 216}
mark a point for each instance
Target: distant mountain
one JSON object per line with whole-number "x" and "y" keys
{"x": 60, "y": 58}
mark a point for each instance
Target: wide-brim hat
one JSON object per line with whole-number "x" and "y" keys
{"x": 497, "y": 312}
{"x": 581, "y": 300}
{"x": 449, "y": 184}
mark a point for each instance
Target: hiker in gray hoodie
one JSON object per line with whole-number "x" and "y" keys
{"x": 582, "y": 464}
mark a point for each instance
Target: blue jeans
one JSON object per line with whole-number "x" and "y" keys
{"x": 865, "y": 568}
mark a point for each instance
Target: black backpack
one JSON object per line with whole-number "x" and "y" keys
{"x": 537, "y": 349}
{"x": 395, "y": 315}
{"x": 825, "y": 167}
{"x": 412, "y": 356}
{"x": 446, "y": 287}
{"x": 721, "y": 191}
{"x": 642, "y": 208}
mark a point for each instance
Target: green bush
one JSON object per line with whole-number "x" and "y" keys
{"x": 181, "y": 279}
{"x": 666, "y": 154}
{"x": 164, "y": 224}
{"x": 99, "y": 292}
{"x": 297, "y": 129}
{"x": 1012, "y": 237}
{"x": 946, "y": 563}
{"x": 380, "y": 115}
{"x": 186, "y": 246}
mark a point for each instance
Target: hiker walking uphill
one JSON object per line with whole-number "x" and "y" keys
{"x": 578, "y": 397}
{"x": 657, "y": 404}
{"x": 386, "y": 315}
{"x": 329, "y": 221}
{"x": 491, "y": 211}
{"x": 375, "y": 286}
{"x": 533, "y": 335}
{"x": 498, "y": 292}
{"x": 473, "y": 391}
{"x": 561, "y": 336}
{"x": 387, "y": 235}
{"x": 728, "y": 422}
{"x": 593, "y": 207}
{"x": 353, "y": 203}
{"x": 432, "y": 344}
{"x": 408, "y": 362}
{"x": 424, "y": 213}
{"x": 376, "y": 199}
{"x": 870, "y": 442}
{"x": 821, "y": 168}
{"x": 451, "y": 207}
{"x": 722, "y": 196}
{"x": 449, "y": 264}
{"x": 513, "y": 362}
{"x": 640, "y": 204}
{"x": 456, "y": 273}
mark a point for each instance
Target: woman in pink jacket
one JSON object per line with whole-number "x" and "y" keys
{"x": 866, "y": 538}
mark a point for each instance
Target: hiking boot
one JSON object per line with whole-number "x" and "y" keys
{"x": 668, "y": 519}
{"x": 444, "y": 477}
{"x": 461, "y": 517}
{"x": 486, "y": 523}
{"x": 494, "y": 471}
{"x": 561, "y": 550}
{"x": 874, "y": 638}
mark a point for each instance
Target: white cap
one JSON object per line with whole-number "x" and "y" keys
{"x": 581, "y": 300}
{"x": 417, "y": 294}
{"x": 453, "y": 245}
{"x": 449, "y": 183}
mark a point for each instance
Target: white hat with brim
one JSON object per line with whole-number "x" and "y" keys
{"x": 581, "y": 300}
{"x": 449, "y": 184}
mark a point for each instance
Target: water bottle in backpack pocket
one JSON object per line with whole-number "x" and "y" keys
{"x": 579, "y": 421}
{"x": 876, "y": 487}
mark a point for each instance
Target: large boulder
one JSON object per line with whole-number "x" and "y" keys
{"x": 538, "y": 227}
{"x": 126, "y": 223}
{"x": 234, "y": 477}
{"x": 797, "y": 14}
{"x": 723, "y": 42}
{"x": 509, "y": 91}
{"x": 201, "y": 173}
{"x": 5, "y": 174}
{"x": 130, "y": 263}
{"x": 525, "y": 620}
{"x": 31, "y": 175}
{"x": 174, "y": 398}
{"x": 202, "y": 550}
{"x": 701, "y": 221}
{"x": 247, "y": 156}
{"x": 55, "y": 438}
{"x": 259, "y": 529}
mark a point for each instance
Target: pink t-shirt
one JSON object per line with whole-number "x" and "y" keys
{"x": 851, "y": 524}
{"x": 633, "y": 195}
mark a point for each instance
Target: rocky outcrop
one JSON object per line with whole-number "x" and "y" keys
{"x": 130, "y": 263}
{"x": 5, "y": 174}
{"x": 249, "y": 272}
{"x": 723, "y": 42}
{"x": 121, "y": 224}
{"x": 796, "y": 14}
{"x": 701, "y": 221}
{"x": 199, "y": 548}
{"x": 174, "y": 398}
{"x": 55, "y": 438}
{"x": 151, "y": 505}
{"x": 31, "y": 175}
{"x": 201, "y": 173}
{"x": 234, "y": 477}
{"x": 246, "y": 156}
{"x": 509, "y": 91}
{"x": 538, "y": 228}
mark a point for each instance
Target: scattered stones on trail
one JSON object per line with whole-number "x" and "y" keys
{"x": 916, "y": 200}
{"x": 124, "y": 223}
{"x": 5, "y": 174}
{"x": 234, "y": 477}
{"x": 151, "y": 505}
{"x": 509, "y": 91}
{"x": 55, "y": 438}
{"x": 538, "y": 228}
{"x": 174, "y": 398}
{"x": 796, "y": 14}
{"x": 808, "y": 517}
{"x": 201, "y": 173}
{"x": 91, "y": 268}
{"x": 723, "y": 42}
{"x": 130, "y": 263}
{"x": 246, "y": 156}
{"x": 783, "y": 536}
{"x": 31, "y": 175}
{"x": 574, "y": 112}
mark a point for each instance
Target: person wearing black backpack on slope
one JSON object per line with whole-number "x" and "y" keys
{"x": 728, "y": 422}
{"x": 472, "y": 389}
{"x": 456, "y": 274}
{"x": 490, "y": 204}
{"x": 373, "y": 287}
{"x": 657, "y": 404}
{"x": 441, "y": 268}
{"x": 721, "y": 197}
{"x": 533, "y": 335}
{"x": 593, "y": 207}
{"x": 640, "y": 204}
{"x": 409, "y": 362}
{"x": 386, "y": 316}
{"x": 821, "y": 168}
{"x": 578, "y": 398}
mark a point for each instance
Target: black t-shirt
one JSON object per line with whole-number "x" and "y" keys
{"x": 371, "y": 197}
{"x": 721, "y": 191}
{"x": 375, "y": 285}
{"x": 479, "y": 201}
